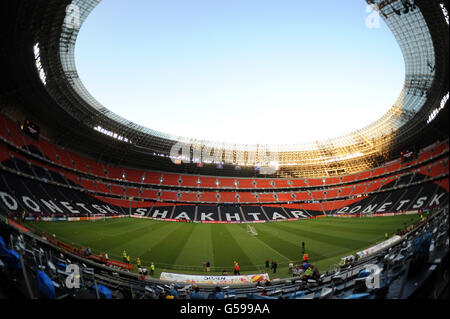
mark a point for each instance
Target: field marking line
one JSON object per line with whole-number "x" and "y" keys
{"x": 276, "y": 251}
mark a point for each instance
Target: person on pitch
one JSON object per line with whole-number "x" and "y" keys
{"x": 152, "y": 269}
{"x": 236, "y": 268}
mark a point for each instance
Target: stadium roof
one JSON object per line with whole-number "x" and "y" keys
{"x": 41, "y": 78}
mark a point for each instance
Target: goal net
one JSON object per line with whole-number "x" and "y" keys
{"x": 97, "y": 217}
{"x": 251, "y": 230}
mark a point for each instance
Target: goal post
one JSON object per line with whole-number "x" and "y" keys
{"x": 368, "y": 214}
{"x": 251, "y": 230}
{"x": 97, "y": 217}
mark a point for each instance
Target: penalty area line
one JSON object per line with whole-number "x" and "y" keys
{"x": 271, "y": 248}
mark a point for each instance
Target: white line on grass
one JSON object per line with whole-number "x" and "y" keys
{"x": 279, "y": 254}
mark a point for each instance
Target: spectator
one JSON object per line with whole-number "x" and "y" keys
{"x": 174, "y": 291}
{"x": 291, "y": 267}
{"x": 298, "y": 271}
{"x": 224, "y": 272}
{"x": 305, "y": 265}
{"x": 264, "y": 292}
{"x": 216, "y": 294}
{"x": 196, "y": 294}
{"x": 315, "y": 273}
{"x": 295, "y": 271}
{"x": 204, "y": 266}
{"x": 307, "y": 274}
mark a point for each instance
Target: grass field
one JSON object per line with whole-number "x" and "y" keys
{"x": 181, "y": 247}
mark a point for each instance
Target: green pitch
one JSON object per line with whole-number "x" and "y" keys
{"x": 181, "y": 247}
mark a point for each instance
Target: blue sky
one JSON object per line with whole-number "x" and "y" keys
{"x": 245, "y": 71}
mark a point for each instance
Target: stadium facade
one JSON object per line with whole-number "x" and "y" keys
{"x": 64, "y": 155}
{"x": 62, "y": 106}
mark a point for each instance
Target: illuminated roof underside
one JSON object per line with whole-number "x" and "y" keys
{"x": 350, "y": 153}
